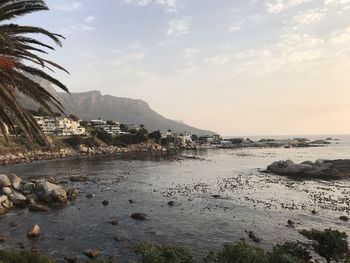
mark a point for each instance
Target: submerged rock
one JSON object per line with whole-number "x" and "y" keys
{"x": 344, "y": 218}
{"x": 324, "y": 169}
{"x": 253, "y": 237}
{"x": 78, "y": 178}
{"x": 138, "y": 216}
{"x": 91, "y": 253}
{"x": 38, "y": 207}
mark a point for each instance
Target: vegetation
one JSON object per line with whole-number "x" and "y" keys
{"x": 152, "y": 253}
{"x": 22, "y": 257}
{"x": 22, "y": 68}
{"x": 330, "y": 244}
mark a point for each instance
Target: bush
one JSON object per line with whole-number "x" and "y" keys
{"x": 290, "y": 252}
{"x": 74, "y": 141}
{"x": 330, "y": 244}
{"x": 22, "y": 257}
{"x": 240, "y": 252}
{"x": 152, "y": 253}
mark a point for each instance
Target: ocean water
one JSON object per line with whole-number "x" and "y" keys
{"x": 250, "y": 200}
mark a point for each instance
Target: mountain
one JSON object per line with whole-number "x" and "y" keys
{"x": 92, "y": 105}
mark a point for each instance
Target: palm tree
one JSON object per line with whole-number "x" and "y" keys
{"x": 21, "y": 67}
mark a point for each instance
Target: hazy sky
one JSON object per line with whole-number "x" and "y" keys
{"x": 239, "y": 67}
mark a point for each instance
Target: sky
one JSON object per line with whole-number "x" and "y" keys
{"x": 238, "y": 67}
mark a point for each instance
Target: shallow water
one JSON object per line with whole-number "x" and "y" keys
{"x": 249, "y": 200}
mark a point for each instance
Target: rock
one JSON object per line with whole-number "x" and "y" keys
{"x": 291, "y": 223}
{"x": 34, "y": 231}
{"x": 314, "y": 212}
{"x": 91, "y": 253}
{"x": 324, "y": 169}
{"x": 28, "y": 188}
{"x": 15, "y": 181}
{"x": 78, "y": 178}
{"x": 114, "y": 222}
{"x": 105, "y": 202}
{"x": 253, "y": 237}
{"x": 4, "y": 181}
{"x": 171, "y": 203}
{"x": 38, "y": 207}
{"x": 49, "y": 192}
{"x": 32, "y": 198}
{"x": 17, "y": 198}
{"x": 71, "y": 259}
{"x": 73, "y": 194}
{"x": 90, "y": 196}
{"x": 83, "y": 149}
{"x": 7, "y": 191}
{"x": 138, "y": 216}
{"x": 344, "y": 218}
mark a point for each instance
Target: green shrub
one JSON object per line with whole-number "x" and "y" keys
{"x": 74, "y": 140}
{"x": 290, "y": 252}
{"x": 241, "y": 252}
{"x": 152, "y": 253}
{"x": 22, "y": 257}
{"x": 330, "y": 244}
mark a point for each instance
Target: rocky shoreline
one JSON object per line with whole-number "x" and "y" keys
{"x": 38, "y": 195}
{"x": 26, "y": 156}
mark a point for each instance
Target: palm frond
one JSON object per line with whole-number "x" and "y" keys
{"x": 18, "y": 72}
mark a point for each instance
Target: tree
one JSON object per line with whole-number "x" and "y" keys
{"x": 22, "y": 68}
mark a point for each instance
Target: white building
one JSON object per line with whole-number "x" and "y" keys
{"x": 112, "y": 129}
{"x": 67, "y": 126}
{"x": 47, "y": 124}
{"x": 98, "y": 122}
{"x": 59, "y": 126}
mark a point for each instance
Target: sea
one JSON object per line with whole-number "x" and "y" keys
{"x": 218, "y": 195}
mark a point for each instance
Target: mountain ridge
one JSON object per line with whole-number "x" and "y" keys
{"x": 92, "y": 105}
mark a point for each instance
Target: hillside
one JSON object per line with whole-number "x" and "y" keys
{"x": 92, "y": 105}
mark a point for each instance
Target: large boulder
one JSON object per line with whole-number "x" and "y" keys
{"x": 17, "y": 198}
{"x": 15, "y": 181}
{"x": 324, "y": 169}
{"x": 7, "y": 191}
{"x": 5, "y": 203}
{"x": 49, "y": 192}
{"x": 4, "y": 181}
{"x": 288, "y": 168}
{"x": 28, "y": 188}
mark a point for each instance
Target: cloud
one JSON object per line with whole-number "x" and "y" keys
{"x": 89, "y": 19}
{"x": 169, "y": 5}
{"x": 221, "y": 59}
{"x": 134, "y": 51}
{"x": 69, "y": 7}
{"x": 336, "y": 2}
{"x": 235, "y": 28}
{"x": 277, "y": 6}
{"x": 179, "y": 26}
{"x": 309, "y": 17}
{"x": 341, "y": 37}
